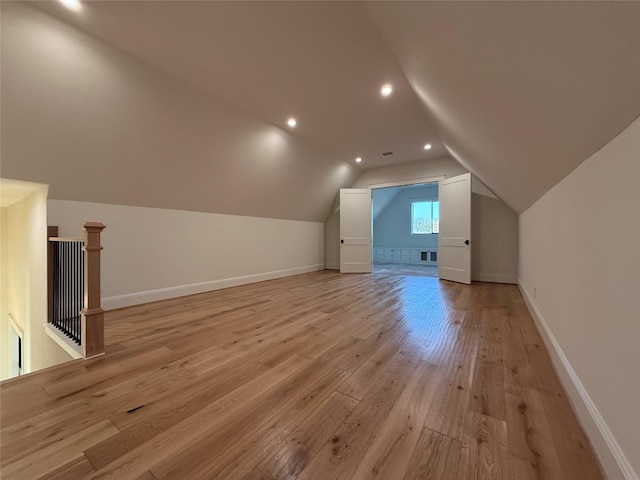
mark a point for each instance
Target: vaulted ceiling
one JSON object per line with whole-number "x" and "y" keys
{"x": 321, "y": 62}
{"x": 520, "y": 93}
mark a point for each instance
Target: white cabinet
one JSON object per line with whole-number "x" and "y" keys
{"x": 422, "y": 256}
{"x": 378, "y": 254}
{"x": 392, "y": 254}
{"x": 410, "y": 255}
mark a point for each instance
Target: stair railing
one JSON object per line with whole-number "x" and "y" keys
{"x": 74, "y": 287}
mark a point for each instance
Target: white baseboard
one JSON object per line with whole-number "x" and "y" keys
{"x": 614, "y": 462}
{"x": 332, "y": 266}
{"x": 70, "y": 348}
{"x": 137, "y": 298}
{"x": 494, "y": 277}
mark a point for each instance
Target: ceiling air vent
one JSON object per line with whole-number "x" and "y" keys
{"x": 386, "y": 154}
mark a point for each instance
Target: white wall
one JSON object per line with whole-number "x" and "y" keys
{"x": 151, "y": 254}
{"x": 4, "y": 310}
{"x": 494, "y": 231}
{"x": 24, "y": 255}
{"x": 580, "y": 272}
{"x": 414, "y": 172}
{"x": 494, "y": 234}
{"x": 332, "y": 242}
{"x": 392, "y": 226}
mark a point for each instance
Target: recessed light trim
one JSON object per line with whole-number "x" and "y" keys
{"x": 74, "y": 5}
{"x": 292, "y": 122}
{"x": 427, "y": 146}
{"x": 358, "y": 159}
{"x": 386, "y": 90}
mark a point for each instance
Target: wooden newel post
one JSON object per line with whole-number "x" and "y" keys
{"x": 92, "y": 314}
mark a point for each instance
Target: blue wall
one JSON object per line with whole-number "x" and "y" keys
{"x": 392, "y": 225}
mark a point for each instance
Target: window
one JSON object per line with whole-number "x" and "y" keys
{"x": 425, "y": 218}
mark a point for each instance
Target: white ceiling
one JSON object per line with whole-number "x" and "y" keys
{"x": 520, "y": 93}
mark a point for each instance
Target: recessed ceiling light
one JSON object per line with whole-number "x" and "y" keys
{"x": 386, "y": 90}
{"x": 74, "y": 5}
{"x": 292, "y": 122}
{"x": 358, "y": 159}
{"x": 427, "y": 146}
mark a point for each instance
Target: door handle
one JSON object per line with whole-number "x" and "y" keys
{"x": 341, "y": 241}
{"x": 466, "y": 242}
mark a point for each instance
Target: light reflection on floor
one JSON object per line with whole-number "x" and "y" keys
{"x": 426, "y": 313}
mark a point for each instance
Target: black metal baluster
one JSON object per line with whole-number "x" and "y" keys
{"x": 59, "y": 289}
{"x": 66, "y": 284}
{"x": 68, "y": 288}
{"x": 76, "y": 309}
{"x": 73, "y": 293}
{"x": 54, "y": 300}
{"x": 75, "y": 290}
{"x": 63, "y": 272}
{"x": 56, "y": 292}
{"x": 81, "y": 289}
{"x": 74, "y": 278}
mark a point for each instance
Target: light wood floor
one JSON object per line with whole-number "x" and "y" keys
{"x": 316, "y": 377}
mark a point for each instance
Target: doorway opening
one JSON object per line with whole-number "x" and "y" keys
{"x": 15, "y": 350}
{"x": 405, "y": 225}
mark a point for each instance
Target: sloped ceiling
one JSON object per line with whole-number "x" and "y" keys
{"x": 520, "y": 93}
{"x": 98, "y": 125}
{"x": 321, "y": 62}
{"x": 383, "y": 197}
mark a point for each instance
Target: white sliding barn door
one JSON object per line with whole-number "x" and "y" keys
{"x": 454, "y": 241}
{"x": 355, "y": 230}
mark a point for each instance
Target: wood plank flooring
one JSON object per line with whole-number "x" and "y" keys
{"x": 314, "y": 377}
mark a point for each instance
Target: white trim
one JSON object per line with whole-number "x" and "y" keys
{"x": 332, "y": 266}
{"x": 612, "y": 459}
{"x": 14, "y": 329}
{"x": 137, "y": 298}
{"x": 73, "y": 350}
{"x": 15, "y": 326}
{"x": 410, "y": 181}
{"x": 494, "y": 277}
